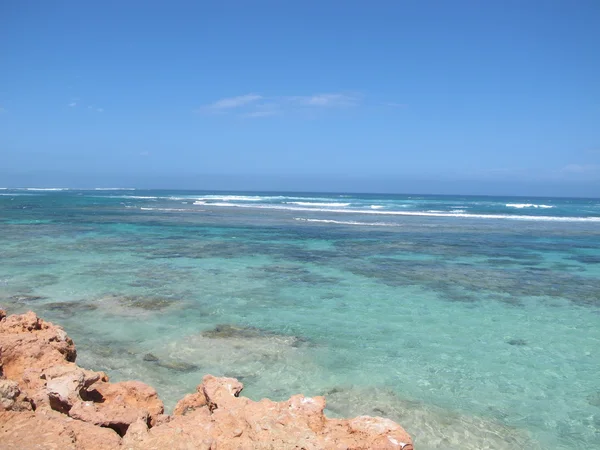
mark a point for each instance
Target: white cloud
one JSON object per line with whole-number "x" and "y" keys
{"x": 257, "y": 114}
{"x": 251, "y": 106}
{"x": 325, "y": 100}
{"x": 233, "y": 102}
{"x": 72, "y": 104}
{"x": 100, "y": 109}
{"x": 144, "y": 153}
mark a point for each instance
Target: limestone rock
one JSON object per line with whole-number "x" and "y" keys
{"x": 11, "y": 398}
{"x": 80, "y": 409}
{"x": 233, "y": 422}
{"x": 28, "y": 430}
{"x": 190, "y": 403}
{"x": 27, "y": 342}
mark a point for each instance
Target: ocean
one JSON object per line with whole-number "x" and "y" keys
{"x": 474, "y": 322}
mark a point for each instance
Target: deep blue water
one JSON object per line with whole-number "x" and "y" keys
{"x": 472, "y": 321}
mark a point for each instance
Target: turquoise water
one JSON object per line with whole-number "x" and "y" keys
{"x": 472, "y": 321}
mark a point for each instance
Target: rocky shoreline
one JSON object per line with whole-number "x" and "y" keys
{"x": 47, "y": 401}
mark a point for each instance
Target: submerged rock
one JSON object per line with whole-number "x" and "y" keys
{"x": 227, "y": 331}
{"x": 143, "y": 302}
{"x": 149, "y": 357}
{"x": 224, "y": 331}
{"x": 179, "y": 366}
{"x": 69, "y": 307}
{"x": 517, "y": 342}
{"x": 38, "y": 359}
{"x": 26, "y": 298}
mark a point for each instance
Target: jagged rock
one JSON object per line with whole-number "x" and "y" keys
{"x": 27, "y": 342}
{"x": 134, "y": 394}
{"x": 190, "y": 403}
{"x": 28, "y": 430}
{"x": 80, "y": 409}
{"x": 11, "y": 398}
{"x": 64, "y": 385}
{"x": 233, "y": 422}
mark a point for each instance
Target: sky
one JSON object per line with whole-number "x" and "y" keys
{"x": 469, "y": 97}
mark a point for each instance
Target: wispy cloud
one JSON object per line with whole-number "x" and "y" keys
{"x": 326, "y": 100}
{"x": 258, "y": 114}
{"x": 2, "y": 110}
{"x": 256, "y": 105}
{"x": 233, "y": 102}
{"x": 73, "y": 104}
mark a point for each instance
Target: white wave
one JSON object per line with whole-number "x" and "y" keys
{"x": 413, "y": 213}
{"x": 458, "y": 211}
{"x": 44, "y": 189}
{"x": 133, "y": 197}
{"x": 349, "y": 222}
{"x": 377, "y": 206}
{"x": 318, "y": 204}
{"x": 170, "y": 209}
{"x": 114, "y": 189}
{"x": 143, "y": 197}
{"x": 199, "y": 203}
{"x": 527, "y": 205}
{"x": 234, "y": 198}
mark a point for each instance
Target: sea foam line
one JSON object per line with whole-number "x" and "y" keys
{"x": 527, "y": 205}
{"x": 410, "y": 213}
{"x": 170, "y": 209}
{"x": 318, "y": 204}
{"x": 349, "y": 222}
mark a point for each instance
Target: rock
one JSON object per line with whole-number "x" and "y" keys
{"x": 517, "y": 342}
{"x": 27, "y": 342}
{"x": 150, "y": 357}
{"x": 26, "y": 298}
{"x": 178, "y": 366}
{"x": 224, "y": 331}
{"x": 134, "y": 395}
{"x": 142, "y": 302}
{"x": 233, "y": 422}
{"x": 116, "y": 417}
{"x": 190, "y": 403}
{"x": 64, "y": 385}
{"x": 20, "y": 430}
{"x": 11, "y": 398}
{"x": 80, "y": 409}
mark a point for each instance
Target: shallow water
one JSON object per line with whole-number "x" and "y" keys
{"x": 474, "y": 329}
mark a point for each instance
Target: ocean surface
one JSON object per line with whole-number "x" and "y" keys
{"x": 472, "y": 321}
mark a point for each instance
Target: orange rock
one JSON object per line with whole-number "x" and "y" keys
{"x": 28, "y": 430}
{"x": 190, "y": 403}
{"x": 79, "y": 409}
{"x": 131, "y": 394}
{"x": 27, "y": 342}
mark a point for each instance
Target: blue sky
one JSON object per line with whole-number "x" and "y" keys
{"x": 433, "y": 96}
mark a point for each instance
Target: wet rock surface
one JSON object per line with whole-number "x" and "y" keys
{"x": 48, "y": 402}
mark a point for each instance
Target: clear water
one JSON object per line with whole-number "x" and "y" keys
{"x": 472, "y": 321}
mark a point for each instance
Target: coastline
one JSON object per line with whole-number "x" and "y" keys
{"x": 47, "y": 401}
